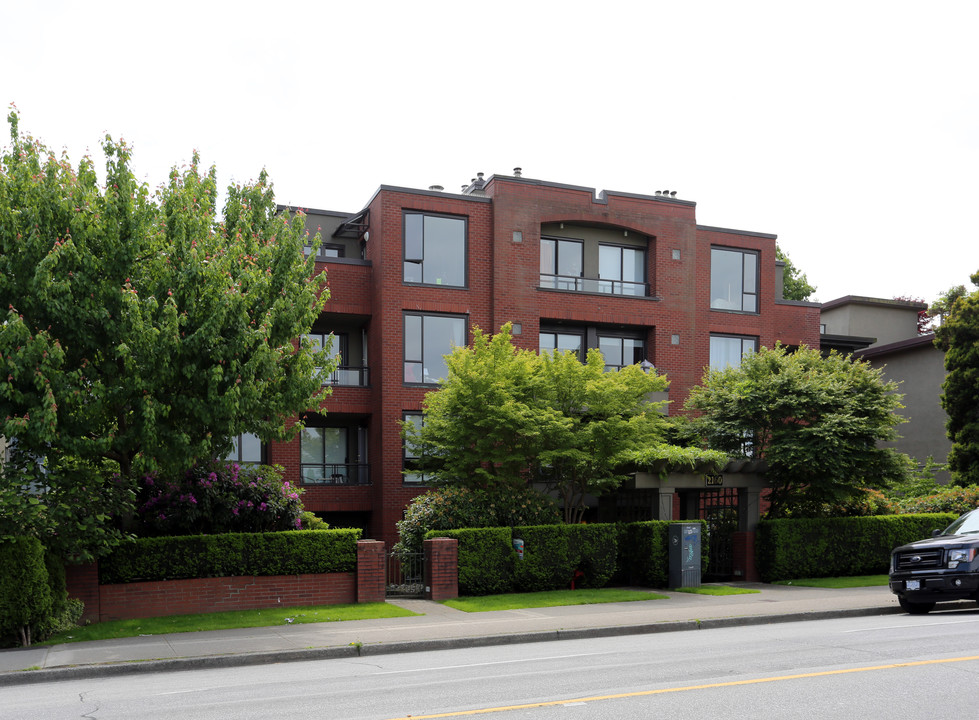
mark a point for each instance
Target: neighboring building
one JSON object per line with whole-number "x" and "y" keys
{"x": 414, "y": 271}
{"x": 885, "y": 334}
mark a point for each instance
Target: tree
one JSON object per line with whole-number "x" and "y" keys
{"x": 795, "y": 284}
{"x": 816, "y": 421}
{"x": 958, "y": 336}
{"x": 142, "y": 332}
{"x": 506, "y": 417}
{"x": 942, "y": 307}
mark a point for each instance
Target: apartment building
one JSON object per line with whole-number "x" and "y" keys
{"x": 414, "y": 271}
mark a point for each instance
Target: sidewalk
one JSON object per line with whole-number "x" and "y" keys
{"x": 438, "y": 627}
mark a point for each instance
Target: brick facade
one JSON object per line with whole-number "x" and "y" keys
{"x": 505, "y": 218}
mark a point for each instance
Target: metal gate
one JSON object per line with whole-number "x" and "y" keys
{"x": 720, "y": 509}
{"x": 405, "y": 575}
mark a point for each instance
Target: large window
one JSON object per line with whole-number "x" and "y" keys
{"x": 434, "y": 250}
{"x": 621, "y": 270}
{"x": 550, "y": 341}
{"x": 620, "y": 352}
{"x": 734, "y": 280}
{"x": 246, "y": 450}
{"x": 727, "y": 350}
{"x": 561, "y": 264}
{"x": 411, "y": 476}
{"x": 427, "y": 340}
{"x": 324, "y": 455}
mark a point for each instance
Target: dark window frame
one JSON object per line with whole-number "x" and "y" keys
{"x": 754, "y": 293}
{"x": 421, "y": 361}
{"x": 731, "y": 336}
{"x": 406, "y": 459}
{"x": 643, "y": 253}
{"x": 420, "y": 261}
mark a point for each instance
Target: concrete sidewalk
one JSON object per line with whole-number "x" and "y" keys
{"x": 436, "y": 627}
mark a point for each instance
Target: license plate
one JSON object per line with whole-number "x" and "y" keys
{"x": 912, "y": 584}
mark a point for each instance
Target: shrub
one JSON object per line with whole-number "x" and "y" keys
{"x": 218, "y": 497}
{"x": 828, "y": 547}
{"x": 311, "y": 521}
{"x": 956, "y": 500}
{"x": 868, "y": 503}
{"x": 486, "y": 559}
{"x": 450, "y": 508}
{"x": 25, "y": 596}
{"x": 193, "y": 556}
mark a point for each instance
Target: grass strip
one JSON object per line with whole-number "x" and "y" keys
{"x": 716, "y": 590}
{"x": 837, "y": 582}
{"x": 550, "y": 598}
{"x": 227, "y": 621}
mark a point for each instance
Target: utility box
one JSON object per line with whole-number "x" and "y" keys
{"x": 685, "y": 554}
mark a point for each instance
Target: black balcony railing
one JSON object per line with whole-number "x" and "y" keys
{"x": 336, "y": 474}
{"x": 348, "y": 376}
{"x": 593, "y": 285}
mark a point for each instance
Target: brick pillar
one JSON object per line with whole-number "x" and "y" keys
{"x": 744, "y": 557}
{"x": 441, "y": 568}
{"x": 371, "y": 566}
{"x": 82, "y": 582}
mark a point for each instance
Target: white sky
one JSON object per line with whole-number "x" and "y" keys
{"x": 849, "y": 129}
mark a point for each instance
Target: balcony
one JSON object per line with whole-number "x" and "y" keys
{"x": 336, "y": 474}
{"x": 594, "y": 285}
{"x": 348, "y": 376}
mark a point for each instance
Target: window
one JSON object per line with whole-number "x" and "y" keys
{"x": 563, "y": 341}
{"x": 434, "y": 250}
{"x": 246, "y": 450}
{"x": 327, "y": 250}
{"x": 727, "y": 350}
{"x": 619, "y": 352}
{"x": 621, "y": 270}
{"x": 561, "y": 264}
{"x": 324, "y": 455}
{"x": 734, "y": 280}
{"x": 410, "y": 476}
{"x": 337, "y": 344}
{"x": 427, "y": 340}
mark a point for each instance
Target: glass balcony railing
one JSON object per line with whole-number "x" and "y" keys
{"x": 593, "y": 285}
{"x": 348, "y": 376}
{"x": 336, "y": 474}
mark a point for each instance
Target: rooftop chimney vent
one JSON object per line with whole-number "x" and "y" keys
{"x": 517, "y": 172}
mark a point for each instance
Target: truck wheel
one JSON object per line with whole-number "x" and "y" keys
{"x": 915, "y": 608}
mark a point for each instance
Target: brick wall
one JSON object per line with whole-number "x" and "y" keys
{"x": 204, "y": 595}
{"x": 441, "y": 568}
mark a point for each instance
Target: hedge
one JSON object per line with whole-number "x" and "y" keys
{"x": 295, "y": 552}
{"x": 831, "y": 547}
{"x": 555, "y": 555}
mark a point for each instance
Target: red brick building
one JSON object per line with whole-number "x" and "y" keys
{"x": 415, "y": 270}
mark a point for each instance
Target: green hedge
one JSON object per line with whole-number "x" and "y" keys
{"x": 830, "y": 547}
{"x": 295, "y": 552}
{"x": 554, "y": 555}
{"x": 486, "y": 558}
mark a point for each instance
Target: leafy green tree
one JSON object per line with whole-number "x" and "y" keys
{"x": 795, "y": 284}
{"x": 816, "y": 421}
{"x": 942, "y": 307}
{"x": 958, "y": 336}
{"x": 141, "y": 332}
{"x": 506, "y": 417}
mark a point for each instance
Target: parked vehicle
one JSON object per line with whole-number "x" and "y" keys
{"x": 943, "y": 567}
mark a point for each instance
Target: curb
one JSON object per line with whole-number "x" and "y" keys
{"x": 83, "y": 672}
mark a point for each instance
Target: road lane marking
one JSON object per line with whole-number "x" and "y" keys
{"x": 663, "y": 691}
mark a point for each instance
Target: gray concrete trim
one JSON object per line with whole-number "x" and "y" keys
{"x": 798, "y": 303}
{"x": 876, "y": 302}
{"x": 710, "y": 228}
{"x": 429, "y": 193}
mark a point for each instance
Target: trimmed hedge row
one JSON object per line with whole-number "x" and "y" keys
{"x": 831, "y": 547}
{"x": 555, "y": 555}
{"x": 295, "y": 552}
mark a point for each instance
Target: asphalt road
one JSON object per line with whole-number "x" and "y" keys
{"x": 869, "y": 667}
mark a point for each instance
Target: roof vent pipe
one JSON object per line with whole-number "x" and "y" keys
{"x": 436, "y": 188}
{"x": 517, "y": 172}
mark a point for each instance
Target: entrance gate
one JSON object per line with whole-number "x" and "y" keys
{"x": 405, "y": 575}
{"x": 720, "y": 509}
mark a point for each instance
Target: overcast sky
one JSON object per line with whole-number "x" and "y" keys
{"x": 848, "y": 129}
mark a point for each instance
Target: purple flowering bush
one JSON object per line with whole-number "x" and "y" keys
{"x": 218, "y": 497}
